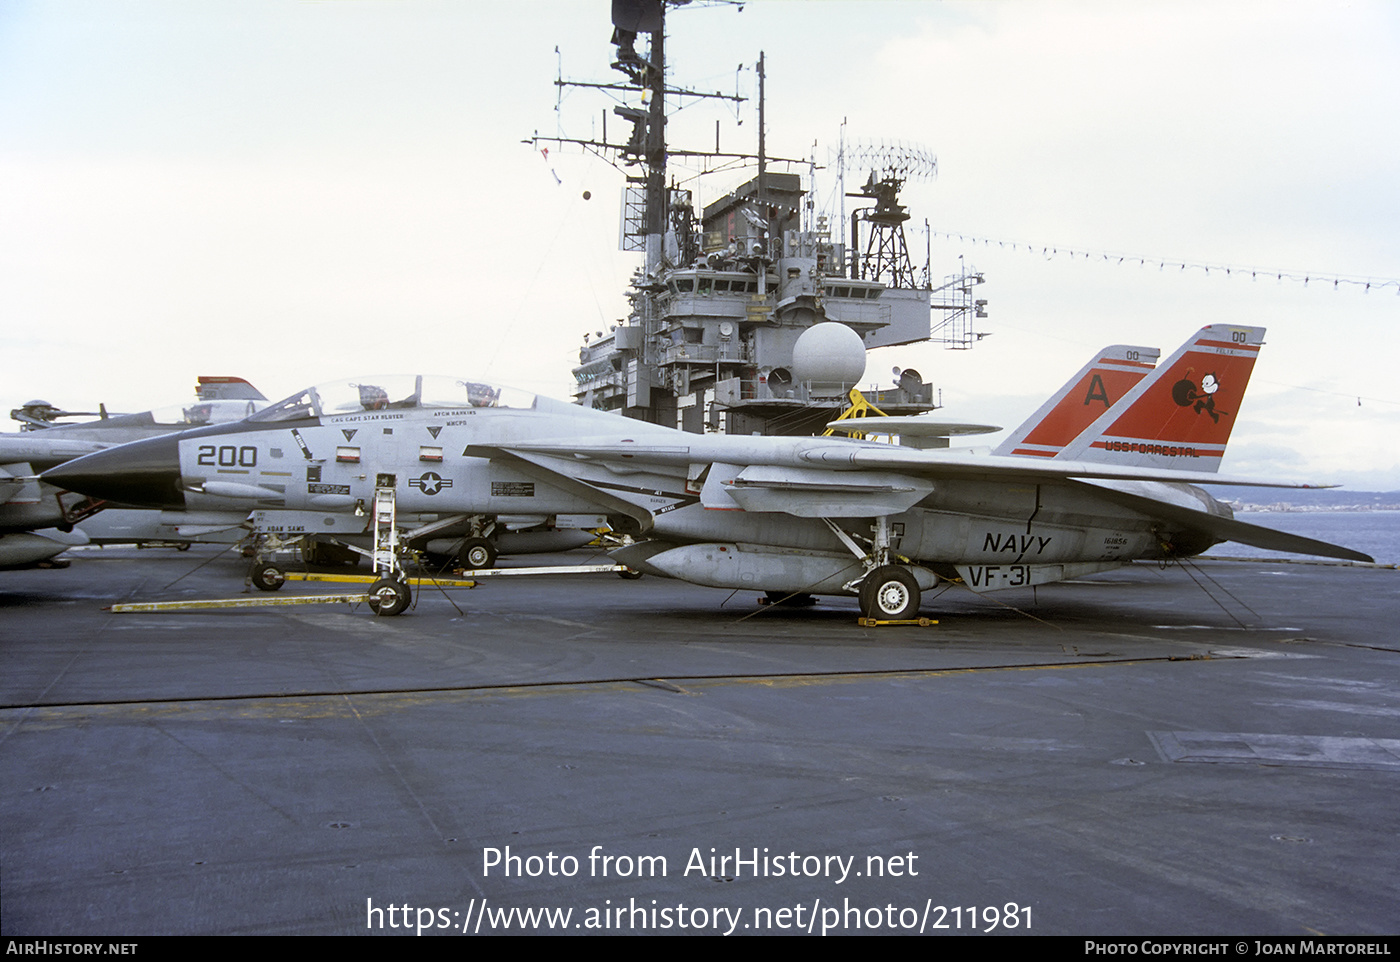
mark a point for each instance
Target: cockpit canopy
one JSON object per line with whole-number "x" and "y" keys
{"x": 394, "y": 392}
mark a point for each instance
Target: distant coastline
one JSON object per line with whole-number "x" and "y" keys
{"x": 1366, "y": 521}
{"x": 1294, "y": 500}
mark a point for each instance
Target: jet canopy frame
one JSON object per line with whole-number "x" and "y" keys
{"x": 394, "y": 392}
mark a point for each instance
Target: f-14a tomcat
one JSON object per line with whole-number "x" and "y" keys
{"x": 37, "y": 521}
{"x": 818, "y": 515}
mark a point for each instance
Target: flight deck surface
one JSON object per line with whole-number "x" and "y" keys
{"x": 1116, "y": 755}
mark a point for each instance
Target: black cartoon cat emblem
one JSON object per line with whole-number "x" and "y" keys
{"x": 1186, "y": 393}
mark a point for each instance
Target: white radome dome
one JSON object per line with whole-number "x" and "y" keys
{"x": 829, "y": 355}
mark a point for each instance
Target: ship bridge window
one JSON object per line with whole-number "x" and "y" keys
{"x": 840, "y": 292}
{"x": 684, "y": 285}
{"x": 721, "y": 286}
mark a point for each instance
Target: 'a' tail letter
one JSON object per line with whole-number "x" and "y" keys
{"x": 1180, "y": 416}
{"x": 1099, "y": 385}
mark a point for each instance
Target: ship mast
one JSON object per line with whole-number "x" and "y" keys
{"x": 654, "y": 75}
{"x": 727, "y": 289}
{"x": 647, "y": 198}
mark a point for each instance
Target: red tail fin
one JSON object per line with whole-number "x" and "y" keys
{"x": 1099, "y": 385}
{"x": 236, "y": 388}
{"x": 1180, "y": 416}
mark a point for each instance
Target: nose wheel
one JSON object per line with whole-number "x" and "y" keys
{"x": 267, "y": 577}
{"x": 389, "y": 597}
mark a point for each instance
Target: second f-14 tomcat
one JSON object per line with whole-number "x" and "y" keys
{"x": 819, "y": 515}
{"x": 37, "y": 522}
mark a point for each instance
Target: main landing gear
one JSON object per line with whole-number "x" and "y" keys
{"x": 887, "y": 592}
{"x": 476, "y": 554}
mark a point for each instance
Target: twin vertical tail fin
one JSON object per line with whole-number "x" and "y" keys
{"x": 1098, "y": 386}
{"x": 1181, "y": 415}
{"x": 232, "y": 388}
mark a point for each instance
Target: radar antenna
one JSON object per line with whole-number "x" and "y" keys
{"x": 891, "y": 165}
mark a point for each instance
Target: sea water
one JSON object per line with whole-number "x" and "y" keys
{"x": 1377, "y": 533}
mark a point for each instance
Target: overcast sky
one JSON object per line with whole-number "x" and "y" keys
{"x": 300, "y": 191}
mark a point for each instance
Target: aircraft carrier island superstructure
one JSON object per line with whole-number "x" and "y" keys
{"x": 726, "y": 293}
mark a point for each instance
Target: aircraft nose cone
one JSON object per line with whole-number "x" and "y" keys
{"x": 143, "y": 473}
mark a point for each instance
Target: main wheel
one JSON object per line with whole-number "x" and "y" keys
{"x": 388, "y": 597}
{"x": 267, "y": 577}
{"x": 889, "y": 593}
{"x": 477, "y": 553}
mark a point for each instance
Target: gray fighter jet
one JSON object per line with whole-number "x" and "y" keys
{"x": 818, "y": 515}
{"x": 37, "y": 520}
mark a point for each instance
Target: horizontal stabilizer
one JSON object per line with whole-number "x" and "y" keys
{"x": 1272, "y": 539}
{"x": 1230, "y": 529}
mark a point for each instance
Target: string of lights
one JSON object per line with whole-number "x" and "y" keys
{"x": 1306, "y": 278}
